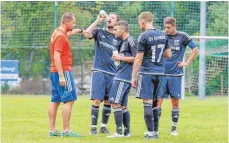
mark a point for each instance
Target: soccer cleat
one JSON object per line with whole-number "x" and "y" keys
{"x": 93, "y": 131}
{"x": 54, "y": 134}
{"x": 71, "y": 134}
{"x": 146, "y": 133}
{"x": 174, "y": 133}
{"x": 127, "y": 135}
{"x": 147, "y": 137}
{"x": 103, "y": 130}
{"x": 116, "y": 135}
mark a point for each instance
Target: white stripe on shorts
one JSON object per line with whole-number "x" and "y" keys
{"x": 91, "y": 85}
{"x": 119, "y": 93}
{"x": 139, "y": 85}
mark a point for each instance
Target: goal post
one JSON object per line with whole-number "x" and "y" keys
{"x": 216, "y": 67}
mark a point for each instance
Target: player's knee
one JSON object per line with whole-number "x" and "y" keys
{"x": 175, "y": 103}
{"x": 70, "y": 103}
{"x": 106, "y": 102}
{"x": 147, "y": 101}
{"x": 124, "y": 107}
{"x": 96, "y": 102}
{"x": 115, "y": 105}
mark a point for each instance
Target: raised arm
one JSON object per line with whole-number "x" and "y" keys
{"x": 88, "y": 32}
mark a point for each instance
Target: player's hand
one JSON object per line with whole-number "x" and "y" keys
{"x": 116, "y": 57}
{"x": 100, "y": 18}
{"x": 134, "y": 82}
{"x": 182, "y": 64}
{"x": 62, "y": 80}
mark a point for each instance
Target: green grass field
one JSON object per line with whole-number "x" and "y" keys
{"x": 24, "y": 120}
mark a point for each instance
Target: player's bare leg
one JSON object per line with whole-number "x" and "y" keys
{"x": 175, "y": 115}
{"x": 105, "y": 117}
{"x": 52, "y": 110}
{"x": 66, "y": 115}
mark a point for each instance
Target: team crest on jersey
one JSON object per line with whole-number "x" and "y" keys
{"x": 176, "y": 42}
{"x": 114, "y": 42}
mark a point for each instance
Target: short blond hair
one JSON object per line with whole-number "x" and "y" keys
{"x": 123, "y": 24}
{"x": 146, "y": 16}
{"x": 170, "y": 20}
{"x": 67, "y": 16}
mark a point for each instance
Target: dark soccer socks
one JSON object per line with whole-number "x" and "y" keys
{"x": 175, "y": 117}
{"x": 94, "y": 115}
{"x": 148, "y": 116}
{"x": 118, "y": 115}
{"x": 106, "y": 114}
{"x": 126, "y": 121}
{"x": 156, "y": 118}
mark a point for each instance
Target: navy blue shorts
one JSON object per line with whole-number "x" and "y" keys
{"x": 119, "y": 92}
{"x": 171, "y": 87}
{"x": 101, "y": 85}
{"x": 60, "y": 93}
{"x": 149, "y": 86}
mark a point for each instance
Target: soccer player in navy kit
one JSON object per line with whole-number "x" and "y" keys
{"x": 122, "y": 80}
{"x": 174, "y": 68}
{"x": 152, "y": 47}
{"x": 103, "y": 69}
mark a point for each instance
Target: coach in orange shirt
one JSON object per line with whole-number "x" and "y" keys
{"x": 62, "y": 81}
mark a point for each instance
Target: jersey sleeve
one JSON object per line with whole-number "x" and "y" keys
{"x": 187, "y": 38}
{"x": 132, "y": 45}
{"x": 95, "y": 33}
{"x": 191, "y": 44}
{"x": 141, "y": 43}
{"x": 59, "y": 43}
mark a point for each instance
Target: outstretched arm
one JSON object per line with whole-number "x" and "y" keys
{"x": 75, "y": 31}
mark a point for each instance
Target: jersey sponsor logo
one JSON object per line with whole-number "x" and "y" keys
{"x": 156, "y": 38}
{"x": 175, "y": 48}
{"x": 107, "y": 45}
{"x": 176, "y": 42}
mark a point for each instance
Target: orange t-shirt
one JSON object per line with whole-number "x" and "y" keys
{"x": 60, "y": 43}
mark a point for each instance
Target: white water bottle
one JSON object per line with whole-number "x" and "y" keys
{"x": 104, "y": 14}
{"x": 117, "y": 62}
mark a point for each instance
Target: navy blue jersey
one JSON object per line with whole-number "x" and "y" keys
{"x": 153, "y": 43}
{"x": 105, "y": 43}
{"x": 127, "y": 49}
{"x": 177, "y": 43}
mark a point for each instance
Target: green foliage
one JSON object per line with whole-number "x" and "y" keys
{"x": 4, "y": 88}
{"x": 26, "y": 27}
{"x": 218, "y": 25}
